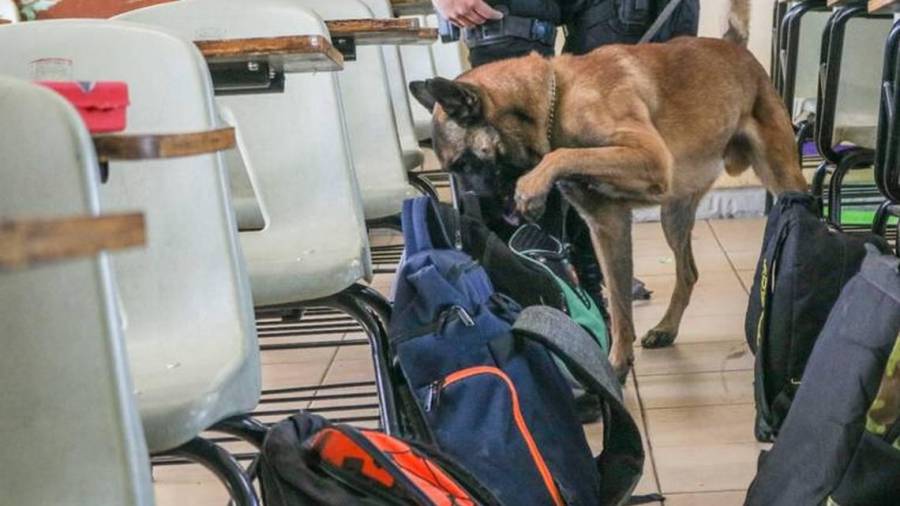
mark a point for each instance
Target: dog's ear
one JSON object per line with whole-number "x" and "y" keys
{"x": 461, "y": 101}
{"x": 420, "y": 91}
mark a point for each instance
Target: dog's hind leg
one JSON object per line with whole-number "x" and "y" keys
{"x": 610, "y": 225}
{"x": 766, "y": 141}
{"x": 678, "y": 219}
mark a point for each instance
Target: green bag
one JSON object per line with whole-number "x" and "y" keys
{"x": 543, "y": 250}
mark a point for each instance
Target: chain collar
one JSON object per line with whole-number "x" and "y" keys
{"x": 551, "y": 115}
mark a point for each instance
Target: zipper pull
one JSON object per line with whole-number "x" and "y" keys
{"x": 434, "y": 392}
{"x": 464, "y": 316}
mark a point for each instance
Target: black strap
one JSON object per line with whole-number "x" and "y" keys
{"x": 502, "y": 29}
{"x": 622, "y": 461}
{"x": 661, "y": 20}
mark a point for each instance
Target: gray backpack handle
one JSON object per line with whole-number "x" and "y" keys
{"x": 622, "y": 461}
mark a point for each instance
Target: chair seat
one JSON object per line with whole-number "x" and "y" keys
{"x": 183, "y": 387}
{"x": 384, "y": 202}
{"x": 858, "y": 135}
{"x": 413, "y": 159}
{"x": 331, "y": 254}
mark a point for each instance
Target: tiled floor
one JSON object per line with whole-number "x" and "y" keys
{"x": 693, "y": 401}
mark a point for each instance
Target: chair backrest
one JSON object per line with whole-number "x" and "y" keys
{"x": 396, "y": 82}
{"x": 859, "y": 91}
{"x": 809, "y": 43}
{"x": 369, "y": 113}
{"x": 296, "y": 145}
{"x": 69, "y": 427}
{"x": 187, "y": 292}
{"x": 368, "y": 110}
{"x": 418, "y": 65}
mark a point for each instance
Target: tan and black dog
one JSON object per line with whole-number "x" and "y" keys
{"x": 621, "y": 127}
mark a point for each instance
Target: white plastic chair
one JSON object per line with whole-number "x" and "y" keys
{"x": 426, "y": 62}
{"x": 67, "y": 412}
{"x": 419, "y": 65}
{"x": 313, "y": 250}
{"x": 189, "y": 321}
{"x": 412, "y": 154}
{"x": 369, "y": 113}
{"x": 859, "y": 91}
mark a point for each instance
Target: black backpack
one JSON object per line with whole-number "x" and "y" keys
{"x": 802, "y": 268}
{"x": 308, "y": 461}
{"x": 833, "y": 448}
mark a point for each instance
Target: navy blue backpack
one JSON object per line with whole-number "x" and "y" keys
{"x": 485, "y": 388}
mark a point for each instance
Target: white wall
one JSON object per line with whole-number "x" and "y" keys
{"x": 713, "y": 22}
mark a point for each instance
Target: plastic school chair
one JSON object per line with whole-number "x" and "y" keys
{"x": 188, "y": 316}
{"x": 307, "y": 264}
{"x": 67, "y": 411}
{"x": 847, "y": 113}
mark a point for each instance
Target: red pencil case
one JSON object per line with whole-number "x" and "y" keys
{"x": 101, "y": 104}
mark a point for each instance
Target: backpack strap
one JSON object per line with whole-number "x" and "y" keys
{"x": 422, "y": 226}
{"x": 622, "y": 460}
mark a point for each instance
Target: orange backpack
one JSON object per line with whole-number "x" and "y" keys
{"x": 308, "y": 461}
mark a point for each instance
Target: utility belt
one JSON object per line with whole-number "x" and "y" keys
{"x": 500, "y": 30}
{"x": 631, "y": 17}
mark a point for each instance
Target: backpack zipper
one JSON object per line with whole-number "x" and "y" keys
{"x": 433, "y": 396}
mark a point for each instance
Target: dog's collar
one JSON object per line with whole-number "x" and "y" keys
{"x": 551, "y": 115}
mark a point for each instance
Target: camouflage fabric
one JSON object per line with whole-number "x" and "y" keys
{"x": 885, "y": 410}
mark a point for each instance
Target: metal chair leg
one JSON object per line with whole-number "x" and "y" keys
{"x": 818, "y": 182}
{"x": 355, "y": 302}
{"x": 374, "y": 300}
{"x": 247, "y": 429}
{"x": 422, "y": 184}
{"x": 223, "y": 465}
{"x": 849, "y": 160}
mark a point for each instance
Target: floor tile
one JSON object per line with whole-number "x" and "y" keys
{"x": 706, "y": 468}
{"x": 698, "y": 389}
{"x": 284, "y": 375}
{"x": 747, "y": 278}
{"x": 693, "y": 358}
{"x": 700, "y": 425}
{"x": 662, "y": 261}
{"x": 707, "y": 499}
{"x": 700, "y": 329}
{"x": 342, "y": 371}
{"x": 739, "y": 234}
{"x": 297, "y": 356}
{"x": 744, "y": 260}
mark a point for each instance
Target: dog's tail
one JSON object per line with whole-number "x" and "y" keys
{"x": 739, "y": 22}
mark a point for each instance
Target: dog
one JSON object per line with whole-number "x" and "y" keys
{"x": 620, "y": 127}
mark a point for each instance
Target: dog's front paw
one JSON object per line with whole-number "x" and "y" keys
{"x": 658, "y": 338}
{"x": 531, "y": 197}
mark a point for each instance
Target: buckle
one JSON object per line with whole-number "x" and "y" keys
{"x": 491, "y": 29}
{"x": 543, "y": 31}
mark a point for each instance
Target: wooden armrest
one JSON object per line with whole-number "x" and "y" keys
{"x": 366, "y": 32}
{"x": 297, "y": 53}
{"x": 4, "y": 21}
{"x": 24, "y": 243}
{"x": 152, "y": 146}
{"x": 884, "y": 6}
{"x": 412, "y": 7}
